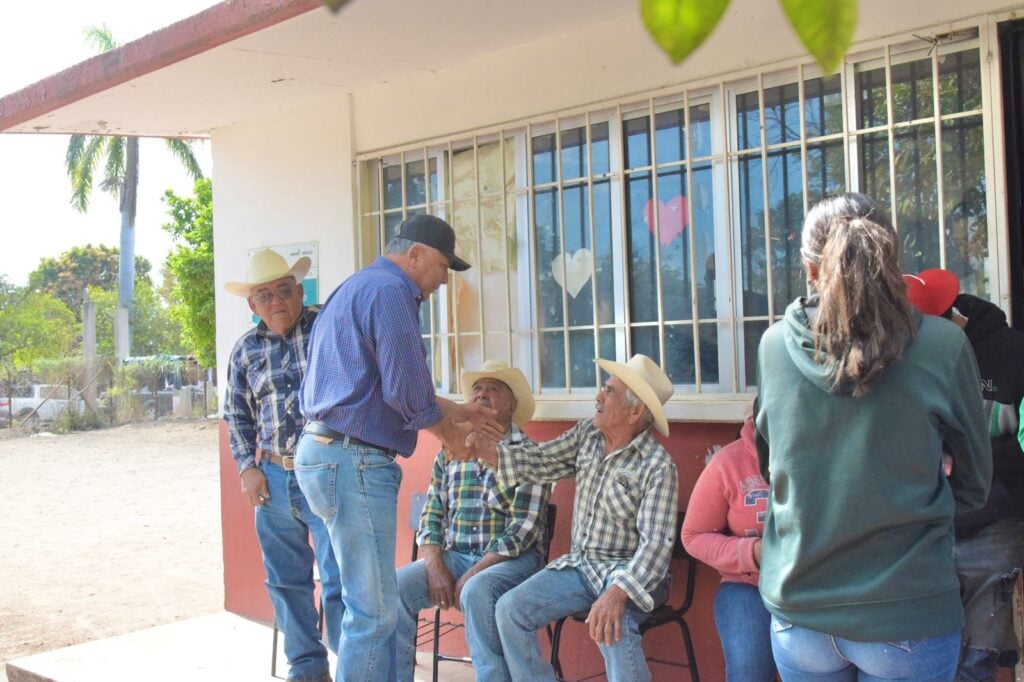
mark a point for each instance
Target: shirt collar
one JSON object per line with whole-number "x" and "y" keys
{"x": 386, "y": 264}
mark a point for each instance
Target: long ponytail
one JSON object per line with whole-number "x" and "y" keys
{"x": 863, "y": 323}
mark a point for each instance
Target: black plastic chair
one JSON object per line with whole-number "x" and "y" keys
{"x": 662, "y": 615}
{"x": 449, "y": 627}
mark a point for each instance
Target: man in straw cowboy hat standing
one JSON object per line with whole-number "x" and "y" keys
{"x": 623, "y": 527}
{"x": 477, "y": 539}
{"x": 261, "y": 408}
{"x": 366, "y": 396}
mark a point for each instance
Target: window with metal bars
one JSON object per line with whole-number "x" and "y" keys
{"x": 671, "y": 226}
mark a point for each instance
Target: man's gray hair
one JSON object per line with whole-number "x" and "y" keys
{"x": 398, "y": 246}
{"x": 631, "y": 399}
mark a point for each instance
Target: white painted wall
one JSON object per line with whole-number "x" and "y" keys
{"x": 281, "y": 180}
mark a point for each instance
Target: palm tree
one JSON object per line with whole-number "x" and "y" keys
{"x": 121, "y": 180}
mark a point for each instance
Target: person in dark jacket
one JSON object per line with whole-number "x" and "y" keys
{"x": 990, "y": 541}
{"x": 859, "y": 394}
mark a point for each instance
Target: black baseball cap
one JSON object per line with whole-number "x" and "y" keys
{"x": 435, "y": 232}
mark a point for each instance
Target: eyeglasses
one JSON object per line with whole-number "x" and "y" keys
{"x": 284, "y": 292}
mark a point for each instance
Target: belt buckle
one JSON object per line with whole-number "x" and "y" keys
{"x": 288, "y": 462}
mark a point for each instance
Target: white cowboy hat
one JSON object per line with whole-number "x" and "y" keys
{"x": 266, "y": 265}
{"x": 650, "y": 383}
{"x": 511, "y": 377}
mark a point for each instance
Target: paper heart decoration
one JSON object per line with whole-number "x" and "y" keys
{"x": 672, "y": 218}
{"x": 578, "y": 269}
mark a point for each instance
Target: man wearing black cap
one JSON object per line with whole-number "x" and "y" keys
{"x": 366, "y": 394}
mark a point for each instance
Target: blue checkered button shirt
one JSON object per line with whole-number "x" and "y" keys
{"x": 468, "y": 512}
{"x": 624, "y": 515}
{"x": 261, "y": 401}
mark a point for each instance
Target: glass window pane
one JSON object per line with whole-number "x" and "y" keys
{"x": 823, "y": 106}
{"x": 392, "y": 186}
{"x": 917, "y": 196}
{"x": 599, "y": 148}
{"x": 679, "y": 356}
{"x": 637, "y": 142}
{"x": 579, "y": 263}
{"x": 643, "y": 291}
{"x": 785, "y": 192}
{"x": 752, "y": 332}
{"x": 874, "y": 167}
{"x": 391, "y": 223}
{"x": 872, "y": 109}
{"x": 645, "y": 340}
{"x": 415, "y": 184}
{"x": 912, "y": 95}
{"x": 703, "y": 205}
{"x": 782, "y": 113}
{"x": 748, "y": 121}
{"x": 964, "y": 194}
{"x": 959, "y": 82}
{"x": 492, "y": 266}
{"x": 826, "y": 170}
{"x": 544, "y": 159}
{"x": 700, "y": 130}
{"x": 670, "y": 137}
{"x": 489, "y": 170}
{"x": 607, "y": 347}
{"x": 574, "y": 153}
{"x": 549, "y": 247}
{"x": 552, "y": 360}
{"x": 581, "y": 355}
{"x": 752, "y": 263}
{"x": 709, "y": 358}
{"x": 603, "y": 253}
{"x": 464, "y": 175}
{"x": 672, "y": 217}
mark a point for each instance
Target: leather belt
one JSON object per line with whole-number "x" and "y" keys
{"x": 286, "y": 462}
{"x": 330, "y": 435}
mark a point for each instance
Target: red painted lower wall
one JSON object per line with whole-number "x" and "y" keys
{"x": 245, "y": 594}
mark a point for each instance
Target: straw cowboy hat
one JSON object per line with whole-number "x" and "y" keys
{"x": 650, "y": 383}
{"x": 932, "y": 291}
{"x": 511, "y": 377}
{"x": 266, "y": 265}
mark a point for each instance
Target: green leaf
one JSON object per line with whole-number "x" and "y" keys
{"x": 825, "y": 27}
{"x": 680, "y": 26}
{"x": 335, "y": 5}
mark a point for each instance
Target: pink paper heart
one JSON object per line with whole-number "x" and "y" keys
{"x": 672, "y": 218}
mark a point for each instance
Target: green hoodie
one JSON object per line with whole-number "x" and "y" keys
{"x": 858, "y": 540}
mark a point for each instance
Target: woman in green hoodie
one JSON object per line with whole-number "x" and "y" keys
{"x": 859, "y": 396}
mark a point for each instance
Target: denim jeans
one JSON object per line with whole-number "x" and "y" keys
{"x": 477, "y": 601}
{"x": 283, "y": 526}
{"x": 803, "y": 654}
{"x": 744, "y": 626}
{"x": 550, "y": 595}
{"x": 355, "y": 491}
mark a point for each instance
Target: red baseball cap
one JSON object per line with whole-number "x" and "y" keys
{"x": 932, "y": 291}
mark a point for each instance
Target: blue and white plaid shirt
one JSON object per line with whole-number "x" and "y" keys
{"x": 624, "y": 515}
{"x": 368, "y": 377}
{"x": 261, "y": 401}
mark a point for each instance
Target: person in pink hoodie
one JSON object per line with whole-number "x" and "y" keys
{"x": 723, "y": 527}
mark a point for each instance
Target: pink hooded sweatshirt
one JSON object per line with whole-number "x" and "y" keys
{"x": 726, "y": 511}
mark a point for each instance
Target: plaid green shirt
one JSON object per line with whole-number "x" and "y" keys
{"x": 468, "y": 512}
{"x": 624, "y": 514}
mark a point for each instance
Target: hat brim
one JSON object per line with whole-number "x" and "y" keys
{"x": 456, "y": 263}
{"x": 298, "y": 271}
{"x": 641, "y": 388}
{"x": 516, "y": 382}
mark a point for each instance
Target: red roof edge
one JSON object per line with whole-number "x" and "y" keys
{"x": 210, "y": 28}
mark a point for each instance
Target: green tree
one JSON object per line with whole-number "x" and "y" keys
{"x": 33, "y": 325}
{"x": 68, "y": 275}
{"x": 155, "y": 331}
{"x": 120, "y": 175}
{"x": 191, "y": 266}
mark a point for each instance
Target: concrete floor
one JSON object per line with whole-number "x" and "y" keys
{"x": 222, "y": 647}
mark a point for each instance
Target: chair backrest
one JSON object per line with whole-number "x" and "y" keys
{"x": 679, "y": 553}
{"x": 549, "y": 529}
{"x": 416, "y": 504}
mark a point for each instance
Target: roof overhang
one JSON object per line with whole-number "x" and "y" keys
{"x": 245, "y": 58}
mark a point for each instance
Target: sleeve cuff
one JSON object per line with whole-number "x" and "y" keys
{"x": 745, "y": 555}
{"x": 245, "y": 462}
{"x": 632, "y": 587}
{"x": 426, "y": 419}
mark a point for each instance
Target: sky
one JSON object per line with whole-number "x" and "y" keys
{"x": 38, "y": 39}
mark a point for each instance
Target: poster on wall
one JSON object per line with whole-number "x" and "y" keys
{"x": 292, "y": 253}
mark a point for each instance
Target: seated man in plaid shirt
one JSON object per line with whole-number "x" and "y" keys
{"x": 478, "y": 539}
{"x": 623, "y": 526}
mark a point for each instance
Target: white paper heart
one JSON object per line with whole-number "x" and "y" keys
{"x": 578, "y": 269}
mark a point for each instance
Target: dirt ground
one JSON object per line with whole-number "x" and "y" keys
{"x": 107, "y": 532}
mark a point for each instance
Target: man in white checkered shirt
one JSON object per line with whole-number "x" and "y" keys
{"x": 623, "y": 527}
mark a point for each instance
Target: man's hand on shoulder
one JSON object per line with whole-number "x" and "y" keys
{"x": 482, "y": 419}
{"x": 254, "y": 486}
{"x": 606, "y": 614}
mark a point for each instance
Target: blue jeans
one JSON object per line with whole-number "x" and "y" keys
{"x": 283, "y": 526}
{"x": 803, "y": 654}
{"x": 744, "y": 626}
{"x": 550, "y": 595}
{"x": 355, "y": 491}
{"x": 477, "y": 601}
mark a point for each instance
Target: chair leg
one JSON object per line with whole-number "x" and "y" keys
{"x": 437, "y": 631}
{"x": 273, "y": 653}
{"x": 691, "y": 657}
{"x": 556, "y": 640}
